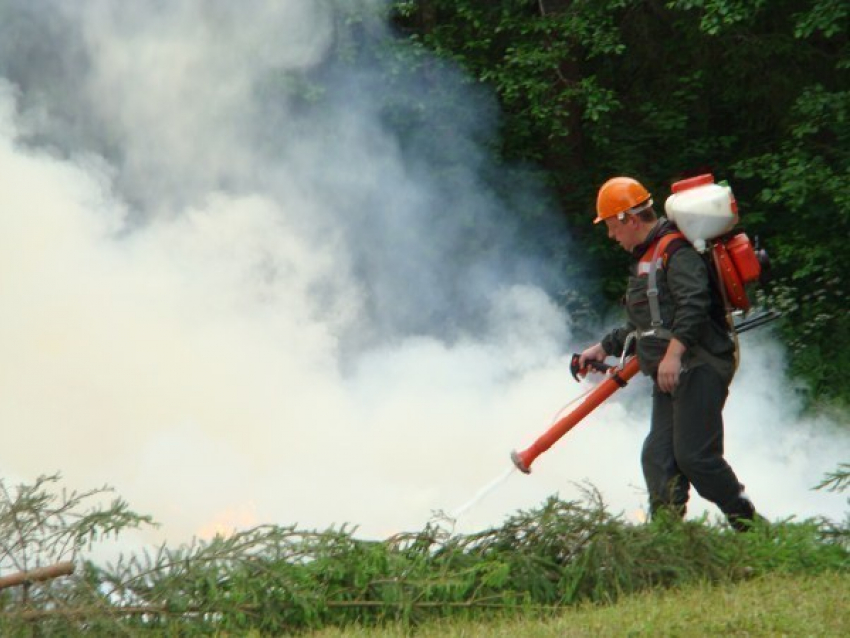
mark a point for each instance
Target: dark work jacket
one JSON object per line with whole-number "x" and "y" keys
{"x": 687, "y": 301}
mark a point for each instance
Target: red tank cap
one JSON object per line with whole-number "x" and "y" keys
{"x": 692, "y": 182}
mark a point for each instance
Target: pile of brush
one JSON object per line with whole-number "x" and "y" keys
{"x": 280, "y": 579}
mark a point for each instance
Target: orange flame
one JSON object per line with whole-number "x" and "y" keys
{"x": 230, "y": 521}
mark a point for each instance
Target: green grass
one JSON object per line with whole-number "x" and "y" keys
{"x": 772, "y": 605}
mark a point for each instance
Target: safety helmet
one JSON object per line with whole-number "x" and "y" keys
{"x": 619, "y": 196}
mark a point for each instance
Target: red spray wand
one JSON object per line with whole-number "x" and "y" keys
{"x": 617, "y": 378}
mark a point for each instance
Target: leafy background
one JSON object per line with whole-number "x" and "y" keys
{"x": 755, "y": 92}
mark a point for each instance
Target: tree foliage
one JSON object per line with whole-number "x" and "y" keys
{"x": 754, "y": 91}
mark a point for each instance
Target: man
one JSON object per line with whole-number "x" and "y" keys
{"x": 677, "y": 322}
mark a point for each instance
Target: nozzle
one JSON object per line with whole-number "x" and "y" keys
{"x": 521, "y": 466}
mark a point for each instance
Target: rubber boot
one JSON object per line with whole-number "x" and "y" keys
{"x": 741, "y": 513}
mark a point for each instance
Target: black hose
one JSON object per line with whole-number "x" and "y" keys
{"x": 758, "y": 320}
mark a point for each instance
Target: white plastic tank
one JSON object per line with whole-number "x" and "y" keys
{"x": 701, "y": 209}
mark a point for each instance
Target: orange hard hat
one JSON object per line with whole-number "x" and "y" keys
{"x": 621, "y": 195}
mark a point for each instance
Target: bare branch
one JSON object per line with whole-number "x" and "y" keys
{"x": 37, "y": 575}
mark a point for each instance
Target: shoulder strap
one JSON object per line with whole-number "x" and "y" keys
{"x": 660, "y": 249}
{"x": 672, "y": 246}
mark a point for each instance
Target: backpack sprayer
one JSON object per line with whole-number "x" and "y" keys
{"x": 705, "y": 213}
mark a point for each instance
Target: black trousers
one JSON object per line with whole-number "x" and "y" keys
{"x": 685, "y": 444}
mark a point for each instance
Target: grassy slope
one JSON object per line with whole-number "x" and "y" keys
{"x": 776, "y": 605}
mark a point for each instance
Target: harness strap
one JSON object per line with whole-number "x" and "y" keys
{"x": 661, "y": 333}
{"x": 652, "y": 279}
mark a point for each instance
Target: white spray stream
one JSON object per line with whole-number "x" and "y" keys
{"x": 482, "y": 493}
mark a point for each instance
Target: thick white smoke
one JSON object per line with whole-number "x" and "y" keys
{"x": 238, "y": 309}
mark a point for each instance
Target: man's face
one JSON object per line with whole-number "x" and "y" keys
{"x": 625, "y": 232}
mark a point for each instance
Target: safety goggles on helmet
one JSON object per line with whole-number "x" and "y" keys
{"x": 635, "y": 210}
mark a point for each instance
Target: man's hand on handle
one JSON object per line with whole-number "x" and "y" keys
{"x": 593, "y": 353}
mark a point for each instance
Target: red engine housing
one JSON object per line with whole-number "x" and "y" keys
{"x": 737, "y": 266}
